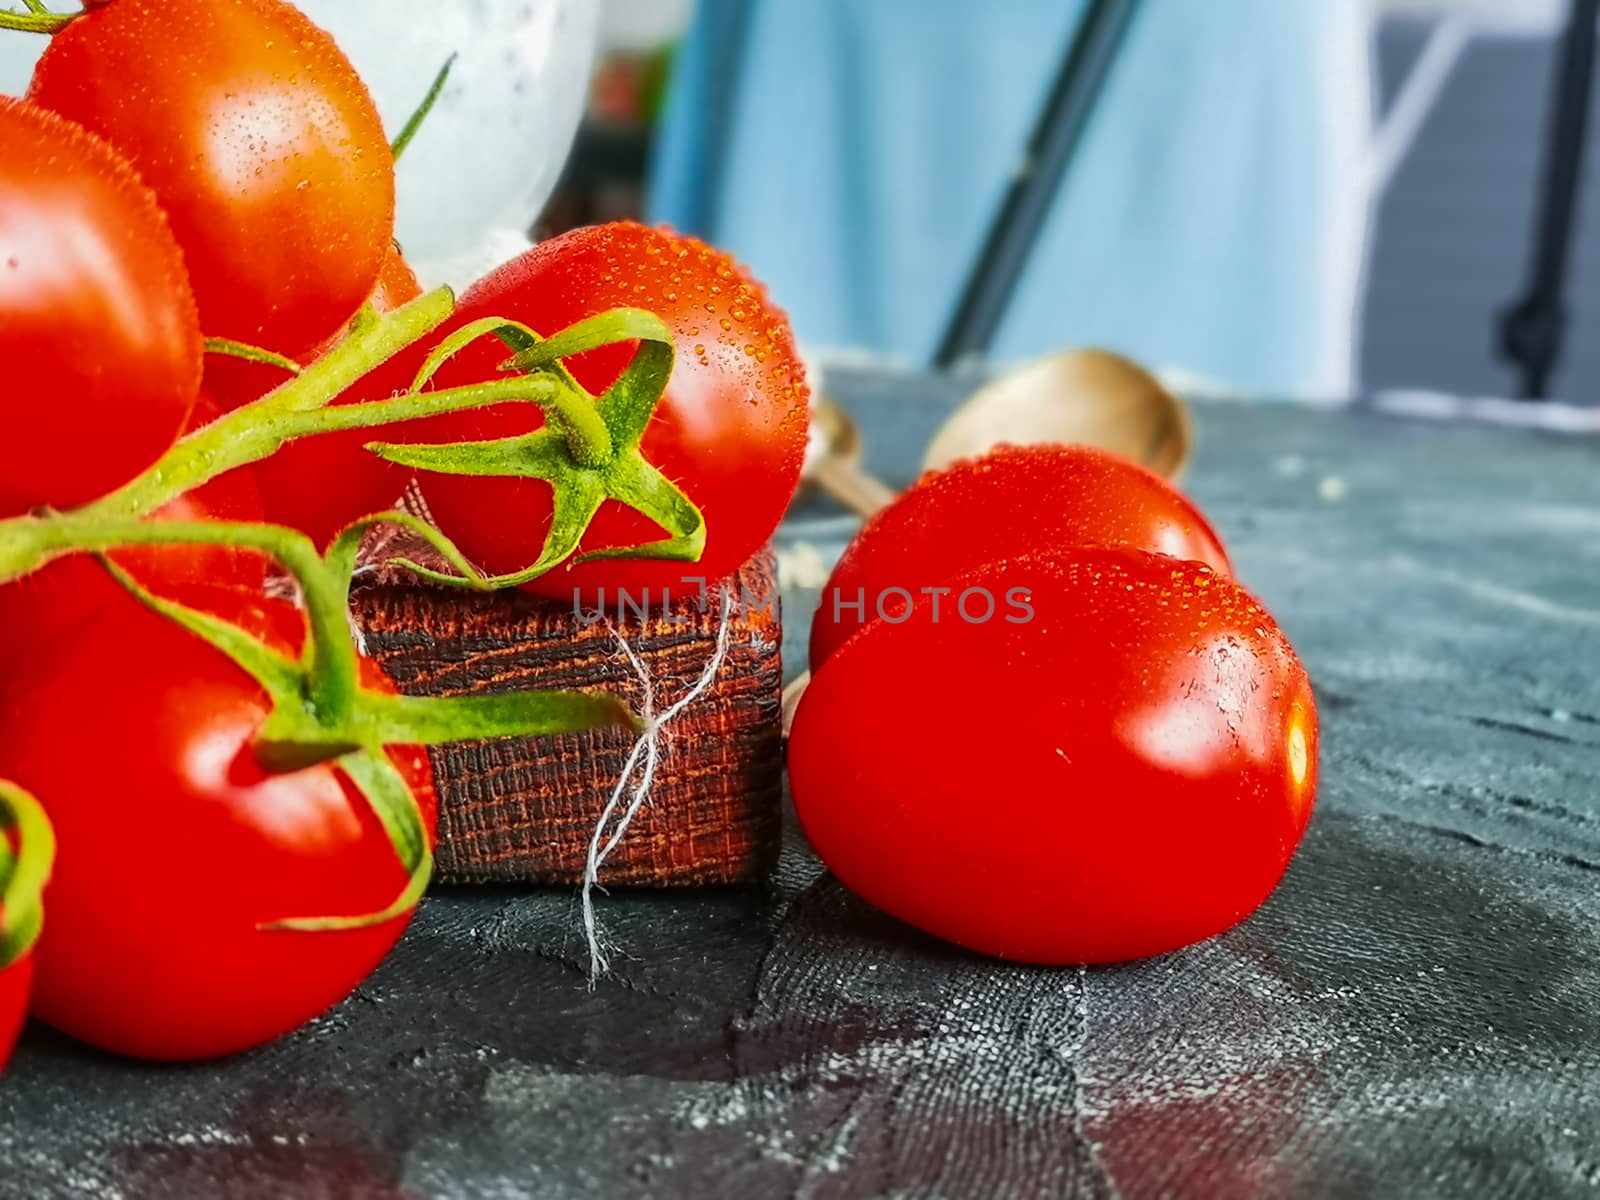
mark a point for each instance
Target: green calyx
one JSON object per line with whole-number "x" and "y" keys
{"x": 24, "y": 870}
{"x": 588, "y": 451}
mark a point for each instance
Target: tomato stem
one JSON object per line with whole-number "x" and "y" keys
{"x": 598, "y": 456}
{"x": 589, "y": 453}
{"x": 228, "y": 348}
{"x": 330, "y": 661}
{"x": 320, "y": 710}
{"x": 299, "y": 409}
{"x": 240, "y": 438}
{"x": 37, "y": 19}
{"x": 414, "y": 123}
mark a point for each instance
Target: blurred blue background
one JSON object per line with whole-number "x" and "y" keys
{"x": 1212, "y": 217}
{"x": 1281, "y": 196}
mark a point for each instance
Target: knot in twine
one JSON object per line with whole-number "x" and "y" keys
{"x": 639, "y": 771}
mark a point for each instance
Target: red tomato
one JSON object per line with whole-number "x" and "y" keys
{"x": 15, "y": 981}
{"x": 1011, "y": 501}
{"x": 730, "y": 430}
{"x": 152, "y": 947}
{"x": 321, "y": 484}
{"x": 98, "y": 334}
{"x": 397, "y": 285}
{"x": 260, "y": 139}
{"x": 40, "y": 608}
{"x": 1117, "y": 760}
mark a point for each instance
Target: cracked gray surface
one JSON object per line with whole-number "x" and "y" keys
{"x": 1416, "y": 1010}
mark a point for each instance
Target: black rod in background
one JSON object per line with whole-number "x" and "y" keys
{"x": 1531, "y": 330}
{"x": 1072, "y": 100}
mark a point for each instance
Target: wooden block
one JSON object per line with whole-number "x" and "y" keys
{"x": 523, "y": 810}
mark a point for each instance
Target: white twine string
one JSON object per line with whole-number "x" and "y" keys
{"x": 642, "y": 762}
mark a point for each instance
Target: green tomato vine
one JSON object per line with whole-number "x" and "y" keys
{"x": 588, "y": 450}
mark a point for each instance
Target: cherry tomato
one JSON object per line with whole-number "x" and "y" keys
{"x": 1013, "y": 500}
{"x": 321, "y": 484}
{"x": 176, "y": 845}
{"x": 261, "y": 141}
{"x": 1084, "y": 758}
{"x": 15, "y": 981}
{"x": 98, "y": 335}
{"x": 40, "y": 608}
{"x": 730, "y": 430}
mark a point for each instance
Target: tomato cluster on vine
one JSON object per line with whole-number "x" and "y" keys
{"x": 221, "y": 373}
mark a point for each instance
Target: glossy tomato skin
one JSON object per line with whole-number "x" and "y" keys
{"x": 261, "y": 141}
{"x": 98, "y": 334}
{"x": 15, "y": 981}
{"x": 38, "y": 609}
{"x": 1117, "y": 763}
{"x": 1013, "y": 500}
{"x": 152, "y": 948}
{"x": 730, "y": 430}
{"x": 321, "y": 484}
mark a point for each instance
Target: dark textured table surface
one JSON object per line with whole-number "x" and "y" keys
{"x": 1415, "y": 1012}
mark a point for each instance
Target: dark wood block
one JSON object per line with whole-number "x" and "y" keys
{"x": 524, "y": 810}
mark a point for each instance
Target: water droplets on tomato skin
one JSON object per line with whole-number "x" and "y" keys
{"x": 723, "y": 321}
